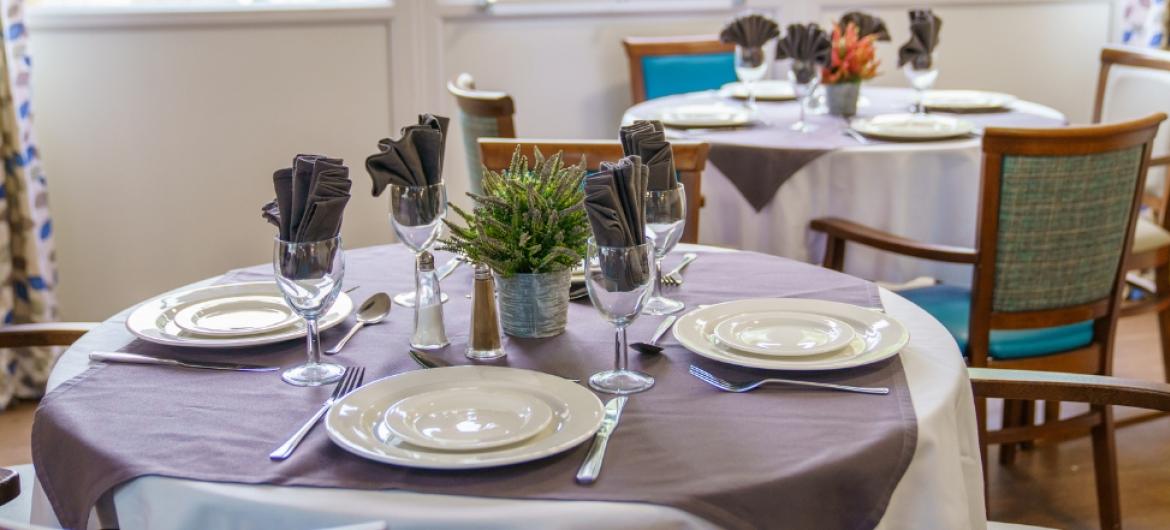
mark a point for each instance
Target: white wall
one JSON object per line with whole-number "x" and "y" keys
{"x": 160, "y": 131}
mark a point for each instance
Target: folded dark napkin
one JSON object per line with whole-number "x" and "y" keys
{"x": 415, "y": 159}
{"x": 615, "y": 199}
{"x": 750, "y": 32}
{"x": 310, "y": 199}
{"x": 867, "y": 25}
{"x": 924, "y": 27}
{"x": 808, "y": 46}
{"x": 647, "y": 140}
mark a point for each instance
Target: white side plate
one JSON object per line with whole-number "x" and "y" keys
{"x": 784, "y": 334}
{"x": 767, "y": 90}
{"x": 705, "y": 115}
{"x": 913, "y": 127}
{"x": 967, "y": 100}
{"x": 236, "y": 316}
{"x": 479, "y": 417}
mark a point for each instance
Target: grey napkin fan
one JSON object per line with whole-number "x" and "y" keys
{"x": 647, "y": 140}
{"x": 924, "y": 28}
{"x": 615, "y": 199}
{"x": 415, "y": 159}
{"x": 310, "y": 199}
{"x": 808, "y": 46}
{"x": 867, "y": 25}
{"x": 750, "y": 32}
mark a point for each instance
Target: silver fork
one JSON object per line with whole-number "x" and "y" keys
{"x": 351, "y": 379}
{"x": 674, "y": 277}
{"x": 728, "y": 386}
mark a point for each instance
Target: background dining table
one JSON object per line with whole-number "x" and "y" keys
{"x": 926, "y": 190}
{"x": 941, "y": 487}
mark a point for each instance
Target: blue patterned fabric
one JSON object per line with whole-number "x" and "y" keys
{"x": 665, "y": 75}
{"x": 1144, "y": 23}
{"x": 952, "y": 307}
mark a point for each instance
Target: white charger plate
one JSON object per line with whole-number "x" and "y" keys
{"x": 877, "y": 336}
{"x": 783, "y": 334}
{"x": 355, "y": 422}
{"x": 913, "y": 127}
{"x": 967, "y": 100}
{"x": 705, "y": 115}
{"x": 464, "y": 419}
{"x": 766, "y": 90}
{"x": 153, "y": 320}
{"x": 236, "y": 316}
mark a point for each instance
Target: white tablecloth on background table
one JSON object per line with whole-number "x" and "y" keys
{"x": 942, "y": 487}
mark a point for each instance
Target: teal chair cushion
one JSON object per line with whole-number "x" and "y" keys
{"x": 665, "y": 75}
{"x": 952, "y": 307}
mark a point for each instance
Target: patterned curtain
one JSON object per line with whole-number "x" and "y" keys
{"x": 27, "y": 271}
{"x": 1144, "y": 23}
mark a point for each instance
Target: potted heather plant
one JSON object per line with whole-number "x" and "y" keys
{"x": 529, "y": 226}
{"x": 852, "y": 61}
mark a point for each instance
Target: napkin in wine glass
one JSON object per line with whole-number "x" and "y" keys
{"x": 808, "y": 46}
{"x": 310, "y": 199}
{"x": 750, "y": 32}
{"x": 867, "y": 25}
{"x": 924, "y": 28}
{"x": 415, "y": 159}
{"x": 615, "y": 199}
{"x": 647, "y": 139}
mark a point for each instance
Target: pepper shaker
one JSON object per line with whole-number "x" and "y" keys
{"x": 484, "y": 339}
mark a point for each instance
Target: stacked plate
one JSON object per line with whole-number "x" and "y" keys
{"x": 967, "y": 101}
{"x": 767, "y": 90}
{"x": 705, "y": 115}
{"x": 464, "y": 417}
{"x": 913, "y": 127}
{"x": 791, "y": 334}
{"x": 226, "y": 316}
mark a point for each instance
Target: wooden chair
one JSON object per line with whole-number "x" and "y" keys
{"x": 482, "y": 114}
{"x": 661, "y": 66}
{"x": 690, "y": 159}
{"x": 1057, "y": 216}
{"x": 1099, "y": 391}
{"x": 1151, "y": 247}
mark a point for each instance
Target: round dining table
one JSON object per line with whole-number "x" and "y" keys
{"x": 764, "y": 183}
{"x": 942, "y": 486}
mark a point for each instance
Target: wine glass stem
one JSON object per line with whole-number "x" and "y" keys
{"x": 657, "y": 279}
{"x": 803, "y": 104}
{"x": 621, "y": 356}
{"x": 751, "y": 88}
{"x": 313, "y": 339}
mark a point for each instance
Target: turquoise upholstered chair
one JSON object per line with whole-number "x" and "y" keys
{"x": 661, "y": 66}
{"x": 1056, "y": 222}
{"x": 482, "y": 114}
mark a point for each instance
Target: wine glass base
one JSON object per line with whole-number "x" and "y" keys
{"x": 407, "y": 299}
{"x": 313, "y": 374}
{"x": 803, "y": 127}
{"x": 661, "y": 305}
{"x": 621, "y": 382}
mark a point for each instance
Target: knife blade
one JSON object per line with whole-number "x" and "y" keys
{"x": 136, "y": 358}
{"x": 426, "y": 361}
{"x": 591, "y": 467}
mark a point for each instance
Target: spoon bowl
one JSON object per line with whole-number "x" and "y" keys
{"x": 372, "y": 311}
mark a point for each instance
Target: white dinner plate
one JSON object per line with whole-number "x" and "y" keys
{"x": 913, "y": 127}
{"x": 767, "y": 90}
{"x": 877, "y": 336}
{"x": 783, "y": 333}
{"x": 967, "y": 100}
{"x": 462, "y": 419}
{"x": 154, "y": 320}
{"x": 355, "y": 422}
{"x": 705, "y": 115}
{"x": 235, "y": 316}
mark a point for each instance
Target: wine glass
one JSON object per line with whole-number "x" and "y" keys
{"x": 751, "y": 65}
{"x": 922, "y": 79}
{"x": 805, "y": 76}
{"x": 619, "y": 280}
{"x": 665, "y": 218}
{"x": 416, "y": 213}
{"x": 309, "y": 276}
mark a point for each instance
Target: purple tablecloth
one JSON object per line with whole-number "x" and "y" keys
{"x": 809, "y": 459}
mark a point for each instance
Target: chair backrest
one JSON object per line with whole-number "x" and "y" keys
{"x": 1056, "y": 219}
{"x": 690, "y": 159}
{"x": 661, "y": 66}
{"x": 1133, "y": 82}
{"x": 482, "y": 114}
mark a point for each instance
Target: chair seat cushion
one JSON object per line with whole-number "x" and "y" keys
{"x": 952, "y": 307}
{"x": 1149, "y": 236}
{"x": 665, "y": 75}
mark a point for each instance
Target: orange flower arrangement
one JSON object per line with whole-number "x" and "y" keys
{"x": 853, "y": 58}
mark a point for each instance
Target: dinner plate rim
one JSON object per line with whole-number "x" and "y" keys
{"x": 967, "y": 127}
{"x": 287, "y": 321}
{"x": 728, "y": 91}
{"x": 663, "y": 116}
{"x": 1006, "y": 100}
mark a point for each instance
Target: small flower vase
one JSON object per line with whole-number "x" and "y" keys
{"x": 843, "y": 98}
{"x": 534, "y": 305}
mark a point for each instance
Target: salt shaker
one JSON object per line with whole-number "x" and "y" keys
{"x": 429, "y": 332}
{"x": 484, "y": 339}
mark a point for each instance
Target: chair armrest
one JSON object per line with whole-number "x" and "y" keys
{"x": 43, "y": 334}
{"x": 1035, "y": 385}
{"x": 9, "y": 485}
{"x": 838, "y": 228}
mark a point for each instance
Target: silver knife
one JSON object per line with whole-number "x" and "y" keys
{"x": 591, "y": 467}
{"x": 135, "y": 358}
{"x": 426, "y": 361}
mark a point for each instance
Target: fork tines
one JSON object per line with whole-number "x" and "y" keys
{"x": 709, "y": 378}
{"x": 351, "y": 379}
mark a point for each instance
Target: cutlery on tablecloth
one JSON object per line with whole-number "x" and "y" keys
{"x": 728, "y": 386}
{"x": 135, "y": 358}
{"x": 449, "y": 267}
{"x": 856, "y": 136}
{"x": 351, "y": 379}
{"x": 372, "y": 311}
{"x": 426, "y": 360}
{"x": 674, "y": 277}
{"x": 591, "y": 467}
{"x": 352, "y": 289}
{"x": 652, "y": 348}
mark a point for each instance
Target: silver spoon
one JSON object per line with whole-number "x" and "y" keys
{"x": 372, "y": 311}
